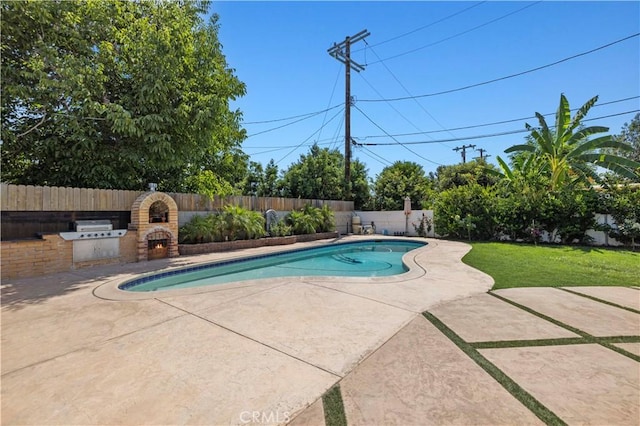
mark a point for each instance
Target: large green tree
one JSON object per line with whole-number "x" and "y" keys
{"x": 476, "y": 171}
{"x": 630, "y": 135}
{"x": 320, "y": 175}
{"x": 115, "y": 94}
{"x": 401, "y": 179}
{"x": 567, "y": 154}
{"x": 262, "y": 182}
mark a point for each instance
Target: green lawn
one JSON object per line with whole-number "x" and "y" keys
{"x": 520, "y": 265}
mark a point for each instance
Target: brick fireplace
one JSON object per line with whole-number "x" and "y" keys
{"x": 154, "y": 217}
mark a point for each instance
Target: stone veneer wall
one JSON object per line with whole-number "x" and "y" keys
{"x": 51, "y": 254}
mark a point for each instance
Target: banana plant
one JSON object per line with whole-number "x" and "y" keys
{"x": 567, "y": 154}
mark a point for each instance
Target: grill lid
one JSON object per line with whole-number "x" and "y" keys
{"x": 93, "y": 225}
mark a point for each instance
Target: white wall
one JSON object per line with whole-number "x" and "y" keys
{"x": 599, "y": 237}
{"x": 395, "y": 222}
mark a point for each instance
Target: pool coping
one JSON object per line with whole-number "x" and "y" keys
{"x": 111, "y": 290}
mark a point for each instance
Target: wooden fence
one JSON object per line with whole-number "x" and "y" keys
{"x": 52, "y": 198}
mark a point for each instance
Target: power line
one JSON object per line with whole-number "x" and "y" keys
{"x": 425, "y": 26}
{"x": 281, "y": 148}
{"x": 397, "y": 141}
{"x": 332, "y": 140}
{"x": 289, "y": 124}
{"x": 335, "y": 83}
{"x": 336, "y": 135}
{"x": 460, "y": 139}
{"x": 408, "y": 93}
{"x": 375, "y": 156}
{"x": 458, "y": 34}
{"x": 513, "y": 120}
{"x": 391, "y": 106}
{"x": 509, "y": 132}
{"x": 505, "y": 77}
{"x": 308, "y": 114}
{"x": 310, "y": 136}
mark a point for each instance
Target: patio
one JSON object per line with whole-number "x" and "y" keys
{"x": 266, "y": 352}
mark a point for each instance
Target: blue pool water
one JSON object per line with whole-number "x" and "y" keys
{"x": 359, "y": 259}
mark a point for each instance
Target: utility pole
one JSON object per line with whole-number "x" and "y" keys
{"x": 464, "y": 151}
{"x": 342, "y": 52}
{"x": 482, "y": 151}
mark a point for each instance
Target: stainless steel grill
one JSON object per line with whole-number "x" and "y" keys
{"x": 93, "y": 225}
{"x": 89, "y": 229}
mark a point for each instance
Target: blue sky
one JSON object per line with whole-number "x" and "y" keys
{"x": 279, "y": 50}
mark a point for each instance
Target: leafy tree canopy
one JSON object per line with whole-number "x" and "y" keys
{"x": 262, "y": 182}
{"x": 115, "y": 94}
{"x": 630, "y": 135}
{"x": 401, "y": 179}
{"x": 320, "y": 175}
{"x": 477, "y": 171}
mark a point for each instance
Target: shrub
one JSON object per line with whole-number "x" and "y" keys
{"x": 328, "y": 220}
{"x": 242, "y": 224}
{"x": 311, "y": 219}
{"x": 197, "y": 230}
{"x": 233, "y": 223}
{"x": 280, "y": 229}
{"x": 466, "y": 212}
{"x": 623, "y": 203}
{"x": 424, "y": 226}
{"x": 301, "y": 222}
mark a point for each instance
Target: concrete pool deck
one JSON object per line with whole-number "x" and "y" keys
{"x": 76, "y": 351}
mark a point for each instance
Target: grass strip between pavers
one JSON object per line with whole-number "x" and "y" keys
{"x": 333, "y": 406}
{"x": 525, "y": 343}
{"x": 554, "y": 342}
{"x": 588, "y": 338}
{"x": 536, "y": 407}
{"x": 605, "y": 302}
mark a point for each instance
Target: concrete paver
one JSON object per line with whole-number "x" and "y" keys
{"x": 622, "y": 296}
{"x": 185, "y": 371}
{"x": 482, "y": 318}
{"x": 582, "y": 384}
{"x": 633, "y": 348}
{"x": 327, "y": 328}
{"x": 420, "y": 377}
{"x": 312, "y": 416}
{"x": 584, "y": 314}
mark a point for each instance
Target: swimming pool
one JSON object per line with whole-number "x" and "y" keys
{"x": 371, "y": 258}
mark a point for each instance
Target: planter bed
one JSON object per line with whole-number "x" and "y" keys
{"x": 191, "y": 249}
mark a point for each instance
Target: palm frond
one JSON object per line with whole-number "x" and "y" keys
{"x": 506, "y": 170}
{"x": 520, "y": 148}
{"x": 582, "y": 112}
{"x": 563, "y": 115}
{"x": 586, "y": 132}
{"x": 620, "y": 165}
{"x": 598, "y": 143}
